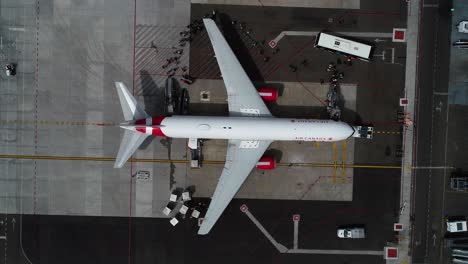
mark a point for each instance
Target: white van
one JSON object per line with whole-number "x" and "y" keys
{"x": 463, "y": 27}
{"x": 351, "y": 232}
{"x": 456, "y": 226}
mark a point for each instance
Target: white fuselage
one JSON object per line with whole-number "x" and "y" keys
{"x": 252, "y": 128}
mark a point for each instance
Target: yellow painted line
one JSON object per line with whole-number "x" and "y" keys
{"x": 334, "y": 174}
{"x": 343, "y": 175}
{"x": 58, "y": 123}
{"x": 335, "y": 154}
{"x": 281, "y": 164}
{"x": 334, "y": 151}
{"x": 317, "y": 144}
{"x": 343, "y": 160}
{"x": 343, "y": 151}
{"x": 388, "y": 132}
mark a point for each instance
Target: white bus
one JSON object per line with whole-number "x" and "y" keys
{"x": 344, "y": 45}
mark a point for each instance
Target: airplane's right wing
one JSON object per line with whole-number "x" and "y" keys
{"x": 241, "y": 157}
{"x": 243, "y": 98}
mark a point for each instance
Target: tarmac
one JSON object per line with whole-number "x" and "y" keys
{"x": 345, "y": 4}
{"x": 74, "y": 113}
{"x": 287, "y": 183}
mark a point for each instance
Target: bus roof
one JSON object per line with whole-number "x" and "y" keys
{"x": 344, "y": 45}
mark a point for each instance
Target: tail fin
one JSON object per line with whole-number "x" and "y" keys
{"x": 131, "y": 140}
{"x": 131, "y": 109}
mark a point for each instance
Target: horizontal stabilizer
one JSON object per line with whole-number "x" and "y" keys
{"x": 134, "y": 127}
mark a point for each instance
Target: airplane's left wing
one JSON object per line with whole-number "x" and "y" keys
{"x": 243, "y": 98}
{"x": 241, "y": 157}
{"x": 131, "y": 140}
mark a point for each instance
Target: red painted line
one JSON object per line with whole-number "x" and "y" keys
{"x": 381, "y": 123}
{"x": 363, "y": 13}
{"x": 374, "y": 13}
{"x": 100, "y": 124}
{"x": 157, "y": 74}
{"x": 36, "y": 107}
{"x": 159, "y": 48}
{"x": 305, "y": 88}
{"x": 131, "y": 162}
{"x": 297, "y": 52}
{"x": 367, "y": 13}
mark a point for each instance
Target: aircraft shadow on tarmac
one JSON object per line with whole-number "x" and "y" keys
{"x": 241, "y": 51}
{"x": 154, "y": 98}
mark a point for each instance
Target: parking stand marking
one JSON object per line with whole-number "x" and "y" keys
{"x": 295, "y": 249}
{"x": 277, "y": 245}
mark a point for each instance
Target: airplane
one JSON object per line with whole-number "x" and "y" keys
{"x": 250, "y": 127}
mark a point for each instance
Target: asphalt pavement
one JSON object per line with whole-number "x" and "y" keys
{"x": 77, "y": 239}
{"x": 234, "y": 239}
{"x": 438, "y": 128}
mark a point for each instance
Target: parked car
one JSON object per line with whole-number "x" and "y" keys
{"x": 454, "y": 226}
{"x": 10, "y": 69}
{"x": 463, "y": 27}
{"x": 351, "y": 232}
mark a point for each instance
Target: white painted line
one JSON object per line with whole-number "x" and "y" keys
{"x": 17, "y": 29}
{"x": 272, "y": 44}
{"x": 393, "y": 55}
{"x": 347, "y": 4}
{"x": 244, "y": 208}
{"x": 296, "y": 232}
{"x": 433, "y": 168}
{"x": 278, "y": 246}
{"x": 439, "y": 93}
{"x": 314, "y": 33}
{"x": 336, "y": 252}
{"x": 380, "y": 40}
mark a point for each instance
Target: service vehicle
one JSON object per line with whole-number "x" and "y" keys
{"x": 455, "y": 226}
{"x": 463, "y": 27}
{"x": 351, "y": 232}
{"x": 344, "y": 45}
